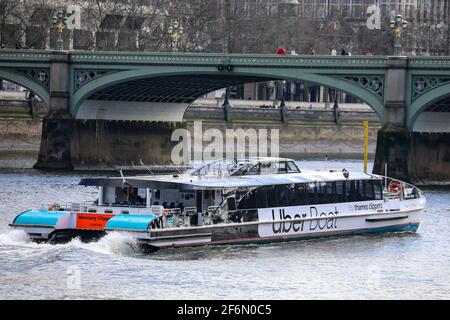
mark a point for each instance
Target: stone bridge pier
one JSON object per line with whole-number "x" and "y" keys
{"x": 58, "y": 124}
{"x": 421, "y": 158}
{"x": 68, "y": 143}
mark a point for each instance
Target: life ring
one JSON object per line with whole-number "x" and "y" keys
{"x": 394, "y": 187}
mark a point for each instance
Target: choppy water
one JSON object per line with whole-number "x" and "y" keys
{"x": 356, "y": 267}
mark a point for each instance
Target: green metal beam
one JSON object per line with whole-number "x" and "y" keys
{"x": 424, "y": 101}
{"x": 259, "y": 74}
{"x": 26, "y": 82}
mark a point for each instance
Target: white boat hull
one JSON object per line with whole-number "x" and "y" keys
{"x": 284, "y": 227}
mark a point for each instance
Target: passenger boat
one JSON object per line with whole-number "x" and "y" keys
{"x": 232, "y": 202}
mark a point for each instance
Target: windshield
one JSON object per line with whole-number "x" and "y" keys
{"x": 272, "y": 167}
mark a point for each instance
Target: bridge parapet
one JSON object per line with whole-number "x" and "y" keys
{"x": 24, "y": 56}
{"x": 429, "y": 62}
{"x": 234, "y": 59}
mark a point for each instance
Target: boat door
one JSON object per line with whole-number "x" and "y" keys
{"x": 199, "y": 200}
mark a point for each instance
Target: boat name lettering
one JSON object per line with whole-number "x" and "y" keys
{"x": 92, "y": 221}
{"x": 296, "y": 226}
{"x": 94, "y": 217}
{"x": 370, "y": 206}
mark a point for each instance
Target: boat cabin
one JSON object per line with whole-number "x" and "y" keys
{"x": 235, "y": 191}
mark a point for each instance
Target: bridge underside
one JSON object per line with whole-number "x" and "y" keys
{"x": 155, "y": 99}
{"x": 422, "y": 155}
{"x": 435, "y": 118}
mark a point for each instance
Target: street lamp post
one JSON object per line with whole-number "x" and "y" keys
{"x": 398, "y": 25}
{"x": 226, "y": 104}
{"x": 175, "y": 32}
{"x": 283, "y": 101}
{"x": 59, "y": 22}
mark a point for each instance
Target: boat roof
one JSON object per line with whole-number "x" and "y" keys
{"x": 188, "y": 182}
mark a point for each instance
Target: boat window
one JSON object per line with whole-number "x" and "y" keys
{"x": 326, "y": 192}
{"x": 231, "y": 202}
{"x": 378, "y": 194}
{"x": 282, "y": 191}
{"x": 331, "y": 192}
{"x": 272, "y": 197}
{"x": 261, "y": 197}
{"x": 129, "y": 196}
{"x": 312, "y": 193}
{"x": 368, "y": 190}
{"x": 248, "y": 201}
{"x": 350, "y": 191}
{"x": 292, "y": 167}
{"x": 340, "y": 192}
{"x": 279, "y": 167}
{"x": 292, "y": 195}
{"x": 360, "y": 190}
{"x": 298, "y": 195}
{"x": 251, "y": 200}
{"x": 301, "y": 194}
{"x": 266, "y": 168}
{"x": 321, "y": 192}
{"x": 255, "y": 170}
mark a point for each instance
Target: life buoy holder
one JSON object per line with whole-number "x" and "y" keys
{"x": 394, "y": 187}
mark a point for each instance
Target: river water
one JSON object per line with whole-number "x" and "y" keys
{"x": 389, "y": 266}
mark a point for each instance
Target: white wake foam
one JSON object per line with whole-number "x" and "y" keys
{"x": 14, "y": 237}
{"x": 113, "y": 243}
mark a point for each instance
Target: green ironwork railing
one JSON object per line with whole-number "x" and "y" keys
{"x": 233, "y": 59}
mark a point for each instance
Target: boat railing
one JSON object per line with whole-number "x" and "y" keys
{"x": 397, "y": 189}
{"x": 55, "y": 206}
{"x": 190, "y": 210}
{"x": 172, "y": 211}
{"x": 213, "y": 209}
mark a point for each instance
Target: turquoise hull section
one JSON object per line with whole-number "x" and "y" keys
{"x": 130, "y": 222}
{"x": 38, "y": 218}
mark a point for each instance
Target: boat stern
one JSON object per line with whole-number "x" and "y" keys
{"x": 40, "y": 224}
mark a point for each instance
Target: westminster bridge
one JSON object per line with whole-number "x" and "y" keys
{"x": 114, "y": 107}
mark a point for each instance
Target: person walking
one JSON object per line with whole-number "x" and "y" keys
{"x": 333, "y": 52}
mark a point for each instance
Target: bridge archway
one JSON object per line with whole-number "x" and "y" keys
{"x": 119, "y": 84}
{"x": 27, "y": 83}
{"x": 423, "y": 104}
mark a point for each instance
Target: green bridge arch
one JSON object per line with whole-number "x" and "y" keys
{"x": 27, "y": 83}
{"x": 424, "y": 101}
{"x": 265, "y": 74}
